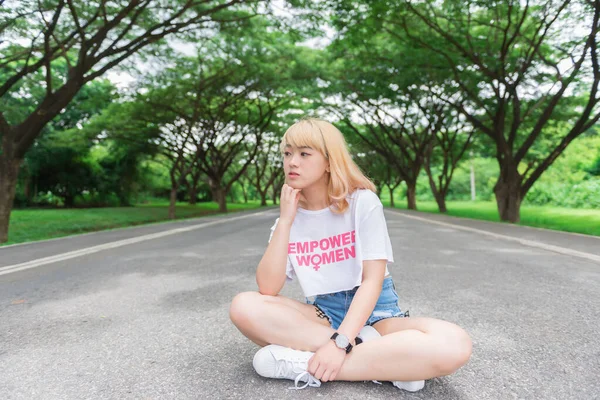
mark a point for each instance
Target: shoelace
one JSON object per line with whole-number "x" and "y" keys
{"x": 284, "y": 367}
{"x": 312, "y": 381}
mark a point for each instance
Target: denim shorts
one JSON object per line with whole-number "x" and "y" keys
{"x": 336, "y": 305}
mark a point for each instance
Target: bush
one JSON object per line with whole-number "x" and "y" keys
{"x": 93, "y": 200}
{"x": 47, "y": 199}
{"x": 594, "y": 170}
{"x": 20, "y": 201}
{"x": 585, "y": 194}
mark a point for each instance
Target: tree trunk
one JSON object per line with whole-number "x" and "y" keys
{"x": 9, "y": 171}
{"x": 244, "y": 193}
{"x": 508, "y": 194}
{"x": 411, "y": 195}
{"x": 391, "y": 196}
{"x": 35, "y": 190}
{"x": 193, "y": 194}
{"x": 263, "y": 198}
{"x": 123, "y": 199}
{"x": 69, "y": 201}
{"x": 274, "y": 195}
{"x": 377, "y": 188}
{"x": 440, "y": 197}
{"x": 219, "y": 196}
{"x": 172, "y": 201}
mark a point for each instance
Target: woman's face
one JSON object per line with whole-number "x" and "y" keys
{"x": 304, "y": 166}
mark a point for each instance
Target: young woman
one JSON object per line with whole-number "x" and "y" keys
{"x": 332, "y": 237}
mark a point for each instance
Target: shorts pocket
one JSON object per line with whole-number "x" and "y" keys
{"x": 387, "y": 296}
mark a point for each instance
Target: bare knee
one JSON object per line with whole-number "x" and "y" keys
{"x": 246, "y": 307}
{"x": 456, "y": 352}
{"x": 242, "y": 306}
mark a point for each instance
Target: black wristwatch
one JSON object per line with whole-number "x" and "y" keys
{"x": 342, "y": 342}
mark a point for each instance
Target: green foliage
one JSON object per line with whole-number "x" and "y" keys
{"x": 118, "y": 173}
{"x": 58, "y": 164}
{"x": 570, "y": 181}
{"x": 585, "y": 194}
{"x": 595, "y": 168}
{"x": 105, "y": 148}
{"x": 493, "y": 63}
{"x": 29, "y": 225}
{"x": 486, "y": 173}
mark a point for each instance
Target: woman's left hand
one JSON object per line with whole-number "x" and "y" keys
{"x": 327, "y": 362}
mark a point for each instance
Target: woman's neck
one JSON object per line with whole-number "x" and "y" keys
{"x": 314, "y": 198}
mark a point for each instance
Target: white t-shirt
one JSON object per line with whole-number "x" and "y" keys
{"x": 326, "y": 250}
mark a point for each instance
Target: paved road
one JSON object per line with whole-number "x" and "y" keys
{"x": 149, "y": 320}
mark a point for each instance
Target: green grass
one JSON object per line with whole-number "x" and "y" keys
{"x": 585, "y": 221}
{"x": 30, "y": 225}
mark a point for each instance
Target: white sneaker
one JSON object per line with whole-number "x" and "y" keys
{"x": 369, "y": 333}
{"x": 274, "y": 361}
{"x": 409, "y": 386}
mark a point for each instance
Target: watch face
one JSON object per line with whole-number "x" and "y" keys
{"x": 342, "y": 341}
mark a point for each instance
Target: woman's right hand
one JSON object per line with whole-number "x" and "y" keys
{"x": 288, "y": 203}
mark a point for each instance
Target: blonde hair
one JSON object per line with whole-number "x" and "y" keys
{"x": 345, "y": 175}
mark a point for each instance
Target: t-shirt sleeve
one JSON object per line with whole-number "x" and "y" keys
{"x": 289, "y": 269}
{"x": 375, "y": 241}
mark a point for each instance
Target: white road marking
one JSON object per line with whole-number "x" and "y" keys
{"x": 524, "y": 242}
{"x": 106, "y": 246}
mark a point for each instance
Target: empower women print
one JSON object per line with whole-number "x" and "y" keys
{"x": 332, "y": 249}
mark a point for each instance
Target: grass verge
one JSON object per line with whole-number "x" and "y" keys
{"x": 40, "y": 224}
{"x": 586, "y": 221}
{"x": 31, "y": 225}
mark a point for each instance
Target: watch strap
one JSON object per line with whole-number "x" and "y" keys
{"x": 349, "y": 347}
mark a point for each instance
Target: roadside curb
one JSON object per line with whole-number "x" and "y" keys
{"x": 524, "y": 242}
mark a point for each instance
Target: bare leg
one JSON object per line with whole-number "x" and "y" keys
{"x": 279, "y": 320}
{"x": 409, "y": 349}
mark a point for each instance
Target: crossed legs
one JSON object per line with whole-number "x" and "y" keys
{"x": 409, "y": 349}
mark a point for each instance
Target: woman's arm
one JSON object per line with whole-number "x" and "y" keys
{"x": 365, "y": 298}
{"x": 270, "y": 274}
{"x": 327, "y": 361}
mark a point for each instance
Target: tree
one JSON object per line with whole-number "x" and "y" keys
{"x": 526, "y": 79}
{"x": 57, "y": 149}
{"x": 251, "y": 72}
{"x": 262, "y": 175}
{"x": 91, "y": 38}
{"x": 378, "y": 169}
{"x": 120, "y": 172}
{"x": 384, "y": 94}
{"x": 444, "y": 153}
{"x": 65, "y": 173}
{"x": 507, "y": 58}
{"x": 395, "y": 130}
{"x": 224, "y": 111}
